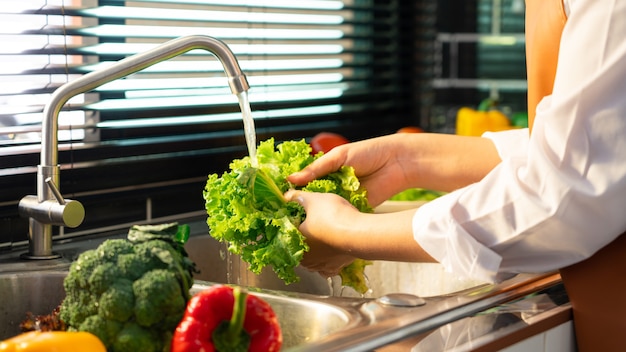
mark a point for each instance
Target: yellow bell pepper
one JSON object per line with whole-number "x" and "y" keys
{"x": 53, "y": 341}
{"x": 471, "y": 122}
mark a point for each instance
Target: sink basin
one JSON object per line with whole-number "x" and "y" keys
{"x": 421, "y": 279}
{"x": 301, "y": 320}
{"x": 40, "y": 292}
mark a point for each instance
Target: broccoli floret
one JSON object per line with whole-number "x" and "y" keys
{"x": 110, "y": 249}
{"x": 158, "y": 299}
{"x": 137, "y": 339}
{"x": 173, "y": 258}
{"x": 83, "y": 304}
{"x": 102, "y": 277}
{"x": 118, "y": 301}
{"x": 133, "y": 266}
{"x": 106, "y": 330}
{"x": 80, "y": 270}
{"x": 131, "y": 293}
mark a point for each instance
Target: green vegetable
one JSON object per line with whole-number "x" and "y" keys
{"x": 353, "y": 275}
{"x": 132, "y": 292}
{"x": 413, "y": 194}
{"x": 246, "y": 208}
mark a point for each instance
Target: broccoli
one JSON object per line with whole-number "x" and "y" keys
{"x": 132, "y": 292}
{"x": 106, "y": 330}
{"x": 158, "y": 298}
{"x": 136, "y": 338}
{"x": 117, "y": 303}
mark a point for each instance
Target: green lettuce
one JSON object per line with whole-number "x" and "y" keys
{"x": 247, "y": 210}
{"x": 417, "y": 194}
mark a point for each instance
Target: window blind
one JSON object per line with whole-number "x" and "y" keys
{"x": 312, "y": 65}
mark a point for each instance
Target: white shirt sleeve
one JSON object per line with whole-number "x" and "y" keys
{"x": 564, "y": 197}
{"x": 511, "y": 143}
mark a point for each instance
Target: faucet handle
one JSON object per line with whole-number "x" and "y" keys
{"x": 55, "y": 190}
{"x": 60, "y": 212}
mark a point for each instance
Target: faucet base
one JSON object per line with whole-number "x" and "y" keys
{"x": 29, "y": 256}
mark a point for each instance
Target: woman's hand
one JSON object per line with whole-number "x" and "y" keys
{"x": 337, "y": 233}
{"x": 327, "y": 215}
{"x": 380, "y": 164}
{"x": 390, "y": 164}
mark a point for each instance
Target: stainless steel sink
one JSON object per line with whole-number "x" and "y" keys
{"x": 40, "y": 292}
{"x": 309, "y": 322}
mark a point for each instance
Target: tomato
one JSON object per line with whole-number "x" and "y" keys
{"x": 410, "y": 129}
{"x": 325, "y": 141}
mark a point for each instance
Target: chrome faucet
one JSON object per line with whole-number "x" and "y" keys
{"x": 49, "y": 207}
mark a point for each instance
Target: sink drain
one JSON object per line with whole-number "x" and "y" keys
{"x": 401, "y": 300}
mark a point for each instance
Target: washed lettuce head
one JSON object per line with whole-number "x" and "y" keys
{"x": 246, "y": 209}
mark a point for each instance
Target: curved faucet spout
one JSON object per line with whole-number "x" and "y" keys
{"x": 176, "y": 47}
{"x": 40, "y": 234}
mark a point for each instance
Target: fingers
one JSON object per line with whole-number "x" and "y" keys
{"x": 301, "y": 177}
{"x": 326, "y": 266}
{"x": 295, "y": 196}
{"x": 310, "y": 199}
{"x": 326, "y": 164}
{"x": 323, "y": 266}
{"x": 322, "y": 273}
{"x": 323, "y": 270}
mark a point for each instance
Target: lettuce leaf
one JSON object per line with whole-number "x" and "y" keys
{"x": 246, "y": 209}
{"x": 416, "y": 194}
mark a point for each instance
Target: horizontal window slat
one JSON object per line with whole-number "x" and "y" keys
{"x": 244, "y": 15}
{"x": 300, "y": 4}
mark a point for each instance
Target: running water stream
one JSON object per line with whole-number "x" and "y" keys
{"x": 237, "y": 271}
{"x": 248, "y": 126}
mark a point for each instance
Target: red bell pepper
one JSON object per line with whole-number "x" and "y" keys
{"x": 222, "y": 318}
{"x": 325, "y": 141}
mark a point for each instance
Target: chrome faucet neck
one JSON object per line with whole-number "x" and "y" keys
{"x": 40, "y": 232}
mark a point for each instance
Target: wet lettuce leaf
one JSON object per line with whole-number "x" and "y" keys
{"x": 246, "y": 209}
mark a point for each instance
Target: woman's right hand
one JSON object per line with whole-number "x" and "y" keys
{"x": 379, "y": 164}
{"x": 390, "y": 164}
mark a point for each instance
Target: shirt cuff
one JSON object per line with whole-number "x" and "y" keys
{"x": 447, "y": 242}
{"x": 510, "y": 143}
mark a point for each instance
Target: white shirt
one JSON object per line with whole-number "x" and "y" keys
{"x": 559, "y": 195}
